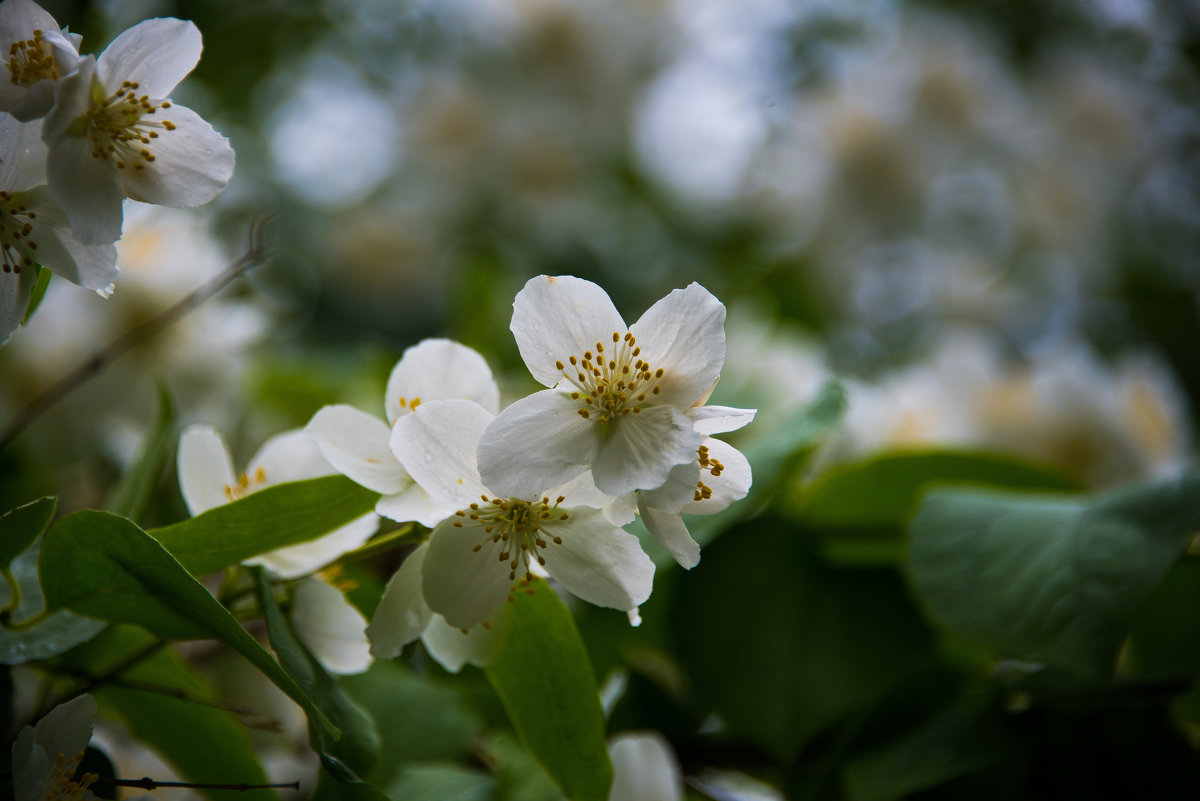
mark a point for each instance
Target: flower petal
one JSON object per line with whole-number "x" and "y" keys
{"x": 452, "y": 649}
{"x": 64, "y": 730}
{"x": 14, "y": 298}
{"x": 415, "y": 504}
{"x": 87, "y": 189}
{"x": 290, "y": 456}
{"x": 73, "y": 97}
{"x": 644, "y": 768}
{"x": 640, "y": 450}
{"x": 436, "y": 445}
{"x": 440, "y": 369}
{"x": 205, "y": 469}
{"x": 536, "y": 443}
{"x": 582, "y": 491}
{"x": 731, "y": 485}
{"x": 684, "y": 334}
{"x": 679, "y": 490}
{"x": 307, "y": 557}
{"x": 463, "y": 586}
{"x": 402, "y": 614}
{"x": 597, "y": 561}
{"x": 356, "y": 444}
{"x": 330, "y": 627}
{"x": 192, "y": 163}
{"x": 157, "y": 54}
{"x": 89, "y": 266}
{"x": 559, "y": 316}
{"x": 671, "y": 533}
{"x": 23, "y": 165}
{"x": 711, "y": 420}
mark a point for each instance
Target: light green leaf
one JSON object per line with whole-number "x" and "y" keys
{"x": 783, "y": 646}
{"x": 281, "y": 515}
{"x": 172, "y": 726}
{"x": 350, "y": 757}
{"x": 545, "y": 682}
{"x": 41, "y": 284}
{"x": 21, "y": 526}
{"x": 59, "y": 632}
{"x": 1049, "y": 579}
{"x": 129, "y": 496}
{"x": 440, "y": 782}
{"x": 879, "y": 495}
{"x": 104, "y": 566}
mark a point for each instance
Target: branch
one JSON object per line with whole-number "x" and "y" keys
{"x": 255, "y": 254}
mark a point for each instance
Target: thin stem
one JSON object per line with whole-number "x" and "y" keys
{"x": 151, "y": 784}
{"x": 255, "y": 254}
{"x": 23, "y": 625}
{"x": 180, "y": 694}
{"x": 14, "y": 592}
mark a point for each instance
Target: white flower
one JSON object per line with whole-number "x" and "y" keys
{"x": 207, "y": 480}
{"x": 644, "y": 768}
{"x": 477, "y": 554}
{"x": 113, "y": 134}
{"x": 34, "y": 230}
{"x": 688, "y": 490}
{"x": 36, "y": 54}
{"x": 618, "y": 394}
{"x": 45, "y": 756}
{"x": 403, "y": 616}
{"x": 330, "y": 626}
{"x": 359, "y": 444}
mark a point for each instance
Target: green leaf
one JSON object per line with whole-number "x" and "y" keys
{"x": 39, "y": 291}
{"x": 781, "y": 644}
{"x": 1049, "y": 579}
{"x": 21, "y": 526}
{"x": 350, "y": 757}
{"x": 545, "y": 682}
{"x": 272, "y": 518}
{"x": 59, "y": 632}
{"x": 173, "y": 726}
{"x": 1165, "y": 642}
{"x": 440, "y": 782}
{"x": 104, "y": 566}
{"x": 893, "y": 484}
{"x": 129, "y": 496}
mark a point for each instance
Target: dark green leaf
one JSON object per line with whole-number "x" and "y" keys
{"x": 543, "y": 677}
{"x": 281, "y": 515}
{"x": 350, "y": 757}
{"x": 21, "y": 526}
{"x": 130, "y": 494}
{"x": 202, "y": 743}
{"x": 59, "y": 632}
{"x": 1165, "y": 642}
{"x": 1047, "y": 579}
{"x": 782, "y": 645}
{"x": 880, "y": 494}
{"x": 104, "y": 566}
{"x": 38, "y": 292}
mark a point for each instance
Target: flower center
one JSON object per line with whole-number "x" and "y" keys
{"x": 515, "y": 530}
{"x": 614, "y": 383}
{"x": 120, "y": 126}
{"x": 31, "y": 60}
{"x": 61, "y": 785}
{"x": 246, "y": 485}
{"x": 713, "y": 466}
{"x": 15, "y": 227}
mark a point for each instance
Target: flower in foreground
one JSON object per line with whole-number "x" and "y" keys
{"x": 492, "y": 542}
{"x": 617, "y": 394}
{"x": 719, "y": 476}
{"x": 359, "y": 444}
{"x": 114, "y": 134}
{"x": 45, "y": 756}
{"x": 34, "y": 230}
{"x": 207, "y": 480}
{"x": 36, "y": 54}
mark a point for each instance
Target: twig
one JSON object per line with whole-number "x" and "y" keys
{"x": 147, "y": 783}
{"x": 255, "y": 254}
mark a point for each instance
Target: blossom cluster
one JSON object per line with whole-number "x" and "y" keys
{"x": 79, "y": 134}
{"x": 541, "y": 488}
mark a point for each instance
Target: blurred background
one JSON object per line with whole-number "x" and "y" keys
{"x": 984, "y": 214}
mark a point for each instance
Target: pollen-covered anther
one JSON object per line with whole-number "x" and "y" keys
{"x": 618, "y": 384}
{"x": 122, "y": 125}
{"x": 31, "y": 60}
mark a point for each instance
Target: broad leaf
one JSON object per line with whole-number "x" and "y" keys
{"x": 781, "y": 645}
{"x": 21, "y": 526}
{"x": 350, "y": 757}
{"x": 1049, "y": 579}
{"x": 545, "y": 682}
{"x": 104, "y": 566}
{"x": 272, "y": 518}
{"x": 59, "y": 632}
{"x": 131, "y": 493}
{"x": 172, "y": 726}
